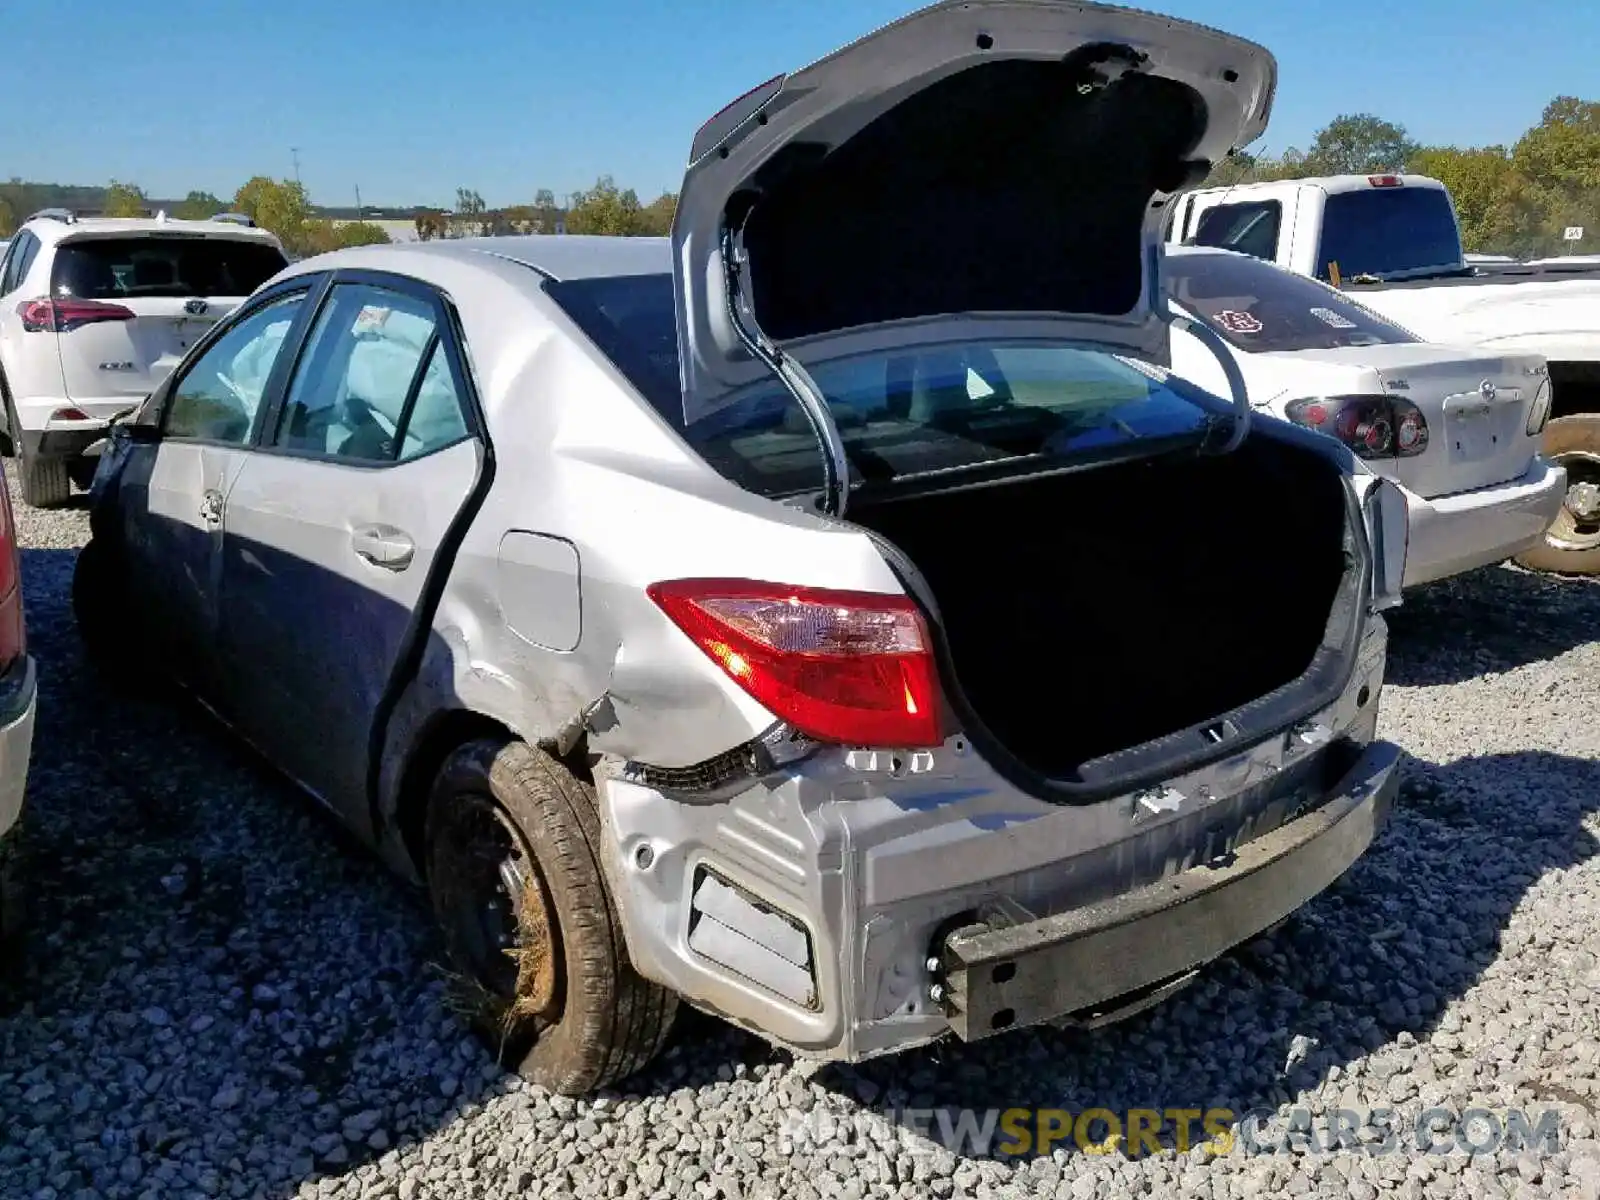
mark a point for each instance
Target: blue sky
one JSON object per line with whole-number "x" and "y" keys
{"x": 408, "y": 100}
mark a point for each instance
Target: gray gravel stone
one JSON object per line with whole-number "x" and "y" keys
{"x": 219, "y": 998}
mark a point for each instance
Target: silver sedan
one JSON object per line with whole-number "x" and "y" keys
{"x": 867, "y": 644}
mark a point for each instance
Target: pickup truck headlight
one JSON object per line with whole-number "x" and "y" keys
{"x": 1539, "y": 414}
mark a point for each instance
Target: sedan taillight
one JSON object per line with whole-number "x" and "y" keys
{"x": 1371, "y": 426}
{"x": 854, "y": 668}
{"x": 65, "y": 315}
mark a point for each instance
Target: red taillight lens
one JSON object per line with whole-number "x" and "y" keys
{"x": 63, "y": 316}
{"x": 1371, "y": 426}
{"x": 13, "y": 635}
{"x": 847, "y": 667}
{"x": 1384, "y": 180}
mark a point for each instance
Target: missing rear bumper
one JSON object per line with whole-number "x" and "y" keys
{"x": 1106, "y": 961}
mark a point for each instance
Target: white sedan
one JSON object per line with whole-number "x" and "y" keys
{"x": 1457, "y": 428}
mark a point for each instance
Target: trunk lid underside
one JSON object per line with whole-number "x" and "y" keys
{"x": 976, "y": 169}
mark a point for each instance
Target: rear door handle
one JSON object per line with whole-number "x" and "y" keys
{"x": 211, "y": 506}
{"x": 383, "y": 546}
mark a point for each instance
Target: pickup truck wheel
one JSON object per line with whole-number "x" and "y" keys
{"x": 1571, "y": 545}
{"x": 512, "y": 859}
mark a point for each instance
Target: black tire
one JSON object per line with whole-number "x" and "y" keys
{"x": 45, "y": 482}
{"x": 1570, "y": 546}
{"x": 11, "y": 445}
{"x": 13, "y": 907}
{"x": 566, "y": 1011}
{"x": 99, "y": 607}
{"x": 81, "y": 472}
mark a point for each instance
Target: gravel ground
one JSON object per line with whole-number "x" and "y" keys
{"x": 222, "y": 998}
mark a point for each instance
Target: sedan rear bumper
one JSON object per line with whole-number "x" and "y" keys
{"x": 1104, "y": 956}
{"x": 1453, "y": 534}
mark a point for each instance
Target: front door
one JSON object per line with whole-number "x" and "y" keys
{"x": 332, "y": 526}
{"x": 174, "y": 490}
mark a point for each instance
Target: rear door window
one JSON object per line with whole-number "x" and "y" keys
{"x": 219, "y": 395}
{"x": 1258, "y": 306}
{"x": 373, "y": 382}
{"x": 1249, "y": 228}
{"x": 1388, "y": 231}
{"x": 129, "y": 268}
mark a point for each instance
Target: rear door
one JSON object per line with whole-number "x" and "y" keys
{"x": 333, "y": 524}
{"x": 172, "y": 491}
{"x": 151, "y": 296}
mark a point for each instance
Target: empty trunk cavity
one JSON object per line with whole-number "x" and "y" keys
{"x": 1091, "y": 612}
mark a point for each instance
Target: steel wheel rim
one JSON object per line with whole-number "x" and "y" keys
{"x": 497, "y": 907}
{"x": 1570, "y": 531}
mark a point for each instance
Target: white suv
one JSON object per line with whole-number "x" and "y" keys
{"x": 93, "y": 314}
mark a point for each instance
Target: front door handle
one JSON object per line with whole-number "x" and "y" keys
{"x": 383, "y": 546}
{"x": 211, "y": 506}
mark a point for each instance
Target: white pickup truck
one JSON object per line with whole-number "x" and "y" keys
{"x": 1392, "y": 243}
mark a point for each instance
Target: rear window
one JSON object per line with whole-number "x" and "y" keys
{"x": 1250, "y": 228}
{"x": 899, "y": 415}
{"x": 1388, "y": 231}
{"x": 131, "y": 268}
{"x": 1258, "y": 306}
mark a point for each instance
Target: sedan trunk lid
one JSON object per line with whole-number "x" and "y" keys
{"x": 981, "y": 169}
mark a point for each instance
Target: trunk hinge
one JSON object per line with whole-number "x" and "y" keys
{"x": 1208, "y": 337}
{"x": 800, "y": 385}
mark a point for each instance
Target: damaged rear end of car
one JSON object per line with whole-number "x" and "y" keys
{"x": 1014, "y": 679}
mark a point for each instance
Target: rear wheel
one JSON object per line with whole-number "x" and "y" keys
{"x": 513, "y": 844}
{"x": 1571, "y": 545}
{"x": 99, "y": 601}
{"x": 45, "y": 482}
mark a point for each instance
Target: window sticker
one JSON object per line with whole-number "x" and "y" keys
{"x": 1328, "y": 317}
{"x": 371, "y": 319}
{"x": 1238, "y": 322}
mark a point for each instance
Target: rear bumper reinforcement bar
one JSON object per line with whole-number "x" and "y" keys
{"x": 998, "y": 976}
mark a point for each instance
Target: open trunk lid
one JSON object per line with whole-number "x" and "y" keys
{"x": 980, "y": 169}
{"x": 129, "y": 305}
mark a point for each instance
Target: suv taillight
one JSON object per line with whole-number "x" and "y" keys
{"x": 13, "y": 633}
{"x": 854, "y": 668}
{"x": 1371, "y": 426}
{"x": 65, "y": 315}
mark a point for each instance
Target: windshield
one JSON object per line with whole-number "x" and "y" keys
{"x": 134, "y": 267}
{"x": 1388, "y": 231}
{"x": 1257, "y": 306}
{"x": 899, "y": 415}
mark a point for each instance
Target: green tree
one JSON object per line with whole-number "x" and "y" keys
{"x": 123, "y": 200}
{"x": 469, "y": 218}
{"x": 8, "y": 218}
{"x": 280, "y": 206}
{"x": 656, "y": 217}
{"x": 1560, "y": 159}
{"x": 430, "y": 224}
{"x": 546, "y": 212}
{"x": 197, "y": 206}
{"x": 606, "y": 209}
{"x": 1358, "y": 144}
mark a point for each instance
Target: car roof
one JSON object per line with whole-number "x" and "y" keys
{"x": 555, "y": 256}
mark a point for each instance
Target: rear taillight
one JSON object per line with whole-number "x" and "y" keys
{"x": 1371, "y": 426}
{"x": 13, "y": 636}
{"x": 1384, "y": 180}
{"x": 65, "y": 315}
{"x": 846, "y": 667}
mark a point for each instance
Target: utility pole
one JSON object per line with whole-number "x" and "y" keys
{"x": 358, "y": 201}
{"x": 294, "y": 153}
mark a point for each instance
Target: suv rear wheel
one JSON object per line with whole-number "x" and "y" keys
{"x": 513, "y": 844}
{"x": 45, "y": 482}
